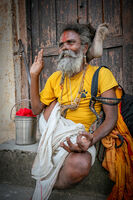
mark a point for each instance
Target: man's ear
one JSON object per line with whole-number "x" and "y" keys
{"x": 85, "y": 48}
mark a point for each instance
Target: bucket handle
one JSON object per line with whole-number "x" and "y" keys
{"x": 19, "y": 102}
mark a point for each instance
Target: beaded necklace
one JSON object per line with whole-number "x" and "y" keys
{"x": 74, "y": 103}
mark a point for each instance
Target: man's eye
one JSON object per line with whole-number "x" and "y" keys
{"x": 60, "y": 44}
{"x": 70, "y": 42}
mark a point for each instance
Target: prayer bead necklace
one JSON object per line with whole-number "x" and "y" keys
{"x": 74, "y": 103}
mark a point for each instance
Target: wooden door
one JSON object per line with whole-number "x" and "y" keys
{"x": 48, "y": 16}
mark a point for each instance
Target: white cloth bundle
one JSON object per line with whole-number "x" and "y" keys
{"x": 50, "y": 156}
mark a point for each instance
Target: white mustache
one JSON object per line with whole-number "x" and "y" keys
{"x": 67, "y": 53}
{"x": 69, "y": 62}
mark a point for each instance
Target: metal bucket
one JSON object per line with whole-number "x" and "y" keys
{"x": 26, "y": 128}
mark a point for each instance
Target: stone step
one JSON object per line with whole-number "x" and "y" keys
{"x": 15, "y": 168}
{"x": 15, "y": 192}
{"x": 16, "y": 162}
{"x": 69, "y": 195}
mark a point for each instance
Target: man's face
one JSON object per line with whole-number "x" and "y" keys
{"x": 70, "y": 40}
{"x": 70, "y": 53}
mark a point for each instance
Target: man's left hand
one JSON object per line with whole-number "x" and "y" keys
{"x": 70, "y": 147}
{"x": 84, "y": 141}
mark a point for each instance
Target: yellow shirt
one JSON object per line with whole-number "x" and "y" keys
{"x": 82, "y": 114}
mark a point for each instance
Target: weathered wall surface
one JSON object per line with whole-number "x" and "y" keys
{"x": 7, "y": 84}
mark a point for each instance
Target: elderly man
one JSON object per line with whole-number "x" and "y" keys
{"x": 71, "y": 87}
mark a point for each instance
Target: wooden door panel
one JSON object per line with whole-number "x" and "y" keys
{"x": 43, "y": 26}
{"x": 47, "y": 23}
{"x": 112, "y": 14}
{"x": 66, "y": 13}
{"x": 82, "y": 11}
{"x": 35, "y": 40}
{"x": 49, "y": 16}
{"x": 50, "y": 66}
{"x": 112, "y": 58}
{"x": 95, "y": 12}
{"x": 127, "y": 18}
{"x": 128, "y": 68}
{"x": 114, "y": 61}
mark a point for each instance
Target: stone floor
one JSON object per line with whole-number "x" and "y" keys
{"x": 14, "y": 192}
{"x": 16, "y": 182}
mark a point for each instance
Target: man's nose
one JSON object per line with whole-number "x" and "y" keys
{"x": 65, "y": 46}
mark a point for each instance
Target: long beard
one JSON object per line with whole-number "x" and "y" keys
{"x": 69, "y": 62}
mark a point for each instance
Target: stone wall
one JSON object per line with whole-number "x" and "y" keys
{"x": 7, "y": 83}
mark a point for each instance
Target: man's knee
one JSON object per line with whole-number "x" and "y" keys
{"x": 76, "y": 168}
{"x": 79, "y": 164}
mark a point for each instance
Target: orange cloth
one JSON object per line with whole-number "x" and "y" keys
{"x": 119, "y": 161}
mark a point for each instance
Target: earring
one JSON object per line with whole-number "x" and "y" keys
{"x": 85, "y": 62}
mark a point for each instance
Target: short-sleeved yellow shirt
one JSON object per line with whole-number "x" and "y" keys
{"x": 82, "y": 114}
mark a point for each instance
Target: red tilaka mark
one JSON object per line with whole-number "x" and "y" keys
{"x": 64, "y": 37}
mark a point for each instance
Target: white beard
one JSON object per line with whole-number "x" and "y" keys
{"x": 69, "y": 62}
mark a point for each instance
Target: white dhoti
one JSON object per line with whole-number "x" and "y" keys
{"x": 50, "y": 156}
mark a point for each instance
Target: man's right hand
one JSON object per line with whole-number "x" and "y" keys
{"x": 38, "y": 64}
{"x": 36, "y": 68}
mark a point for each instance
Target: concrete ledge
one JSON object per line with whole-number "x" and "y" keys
{"x": 15, "y": 192}
{"x": 15, "y": 168}
{"x": 16, "y": 162}
{"x": 10, "y": 145}
{"x": 76, "y": 195}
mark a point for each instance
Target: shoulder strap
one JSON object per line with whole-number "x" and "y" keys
{"x": 94, "y": 84}
{"x": 94, "y": 98}
{"x": 94, "y": 89}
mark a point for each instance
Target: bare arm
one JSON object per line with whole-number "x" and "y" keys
{"x": 96, "y": 49}
{"x": 111, "y": 114}
{"x": 83, "y": 143}
{"x": 105, "y": 128}
{"x": 36, "y": 68}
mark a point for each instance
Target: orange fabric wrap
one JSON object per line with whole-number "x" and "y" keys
{"x": 119, "y": 161}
